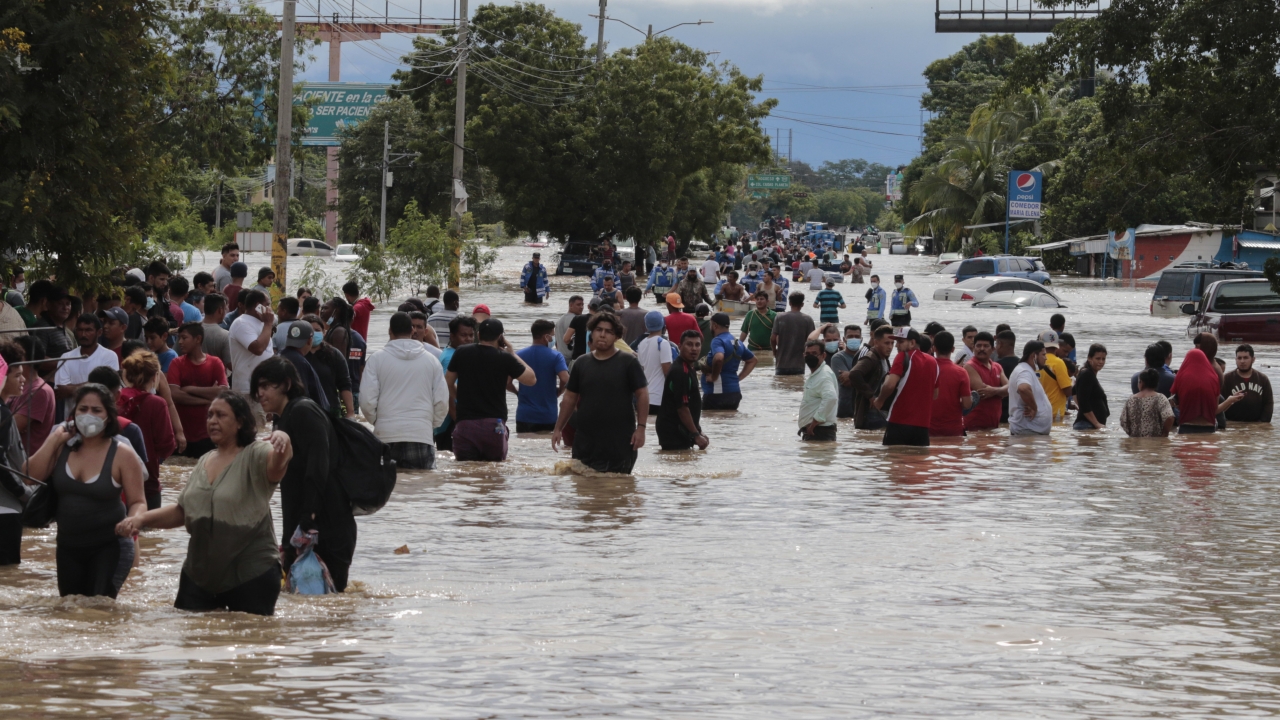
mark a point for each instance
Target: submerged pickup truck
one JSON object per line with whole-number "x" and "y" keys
{"x": 1237, "y": 311}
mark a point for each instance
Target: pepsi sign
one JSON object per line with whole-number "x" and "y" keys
{"x": 1025, "y": 193}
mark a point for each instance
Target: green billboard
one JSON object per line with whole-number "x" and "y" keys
{"x": 336, "y": 105}
{"x": 768, "y": 182}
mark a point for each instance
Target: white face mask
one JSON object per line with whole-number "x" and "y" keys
{"x": 20, "y": 287}
{"x": 875, "y": 286}
{"x": 898, "y": 285}
{"x": 90, "y": 425}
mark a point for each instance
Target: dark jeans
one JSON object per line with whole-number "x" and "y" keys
{"x": 10, "y": 538}
{"x": 257, "y": 596}
{"x": 413, "y": 455}
{"x": 825, "y": 433}
{"x": 898, "y": 434}
{"x": 721, "y": 401}
{"x": 528, "y": 427}
{"x": 153, "y": 500}
{"x": 480, "y": 439}
{"x": 94, "y": 570}
{"x": 903, "y": 320}
{"x": 1196, "y": 429}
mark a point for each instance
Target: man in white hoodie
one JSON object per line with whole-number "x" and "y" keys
{"x": 404, "y": 395}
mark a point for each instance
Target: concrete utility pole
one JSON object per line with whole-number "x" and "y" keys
{"x": 600, "y": 36}
{"x": 386, "y": 148}
{"x": 459, "y": 192}
{"x": 284, "y": 156}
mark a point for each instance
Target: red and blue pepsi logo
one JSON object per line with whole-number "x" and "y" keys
{"x": 1026, "y": 182}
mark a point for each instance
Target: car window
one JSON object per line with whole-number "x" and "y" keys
{"x": 1246, "y": 297}
{"x": 976, "y": 282}
{"x": 977, "y": 267}
{"x": 1002, "y": 287}
{"x": 1176, "y": 284}
{"x": 1027, "y": 265}
{"x": 323, "y": 245}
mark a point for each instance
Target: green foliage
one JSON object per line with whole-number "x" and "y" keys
{"x": 578, "y": 149}
{"x": 421, "y": 247}
{"x": 317, "y": 279}
{"x": 378, "y": 273}
{"x": 704, "y": 200}
{"x": 842, "y": 207}
{"x": 889, "y": 220}
{"x": 852, "y": 173}
{"x": 1271, "y": 269}
{"x": 476, "y": 260}
{"x": 130, "y": 97}
{"x": 959, "y": 83}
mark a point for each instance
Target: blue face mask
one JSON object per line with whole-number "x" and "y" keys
{"x": 852, "y": 344}
{"x": 833, "y": 347}
{"x": 317, "y": 337}
{"x": 151, "y": 302}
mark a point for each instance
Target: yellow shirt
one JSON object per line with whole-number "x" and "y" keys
{"x": 1057, "y": 385}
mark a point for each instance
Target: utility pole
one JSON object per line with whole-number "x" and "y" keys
{"x": 600, "y": 36}
{"x": 386, "y": 147}
{"x": 284, "y": 156}
{"x": 217, "y": 213}
{"x": 459, "y": 192}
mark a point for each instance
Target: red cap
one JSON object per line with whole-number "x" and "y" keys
{"x": 481, "y": 309}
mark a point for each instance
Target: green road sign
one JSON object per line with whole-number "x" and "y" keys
{"x": 757, "y": 194}
{"x": 768, "y": 182}
{"x": 338, "y": 105}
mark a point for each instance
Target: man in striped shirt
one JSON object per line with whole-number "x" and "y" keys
{"x": 830, "y": 302}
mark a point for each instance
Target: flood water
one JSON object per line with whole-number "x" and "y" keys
{"x": 1083, "y": 575}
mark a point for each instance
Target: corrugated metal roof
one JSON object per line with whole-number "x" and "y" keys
{"x": 1260, "y": 244}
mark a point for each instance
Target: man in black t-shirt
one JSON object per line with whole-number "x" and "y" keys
{"x": 1007, "y": 357}
{"x": 598, "y": 402}
{"x": 576, "y": 337}
{"x": 681, "y": 409}
{"x": 477, "y": 379}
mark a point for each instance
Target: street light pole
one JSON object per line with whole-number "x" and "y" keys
{"x": 386, "y": 147}
{"x": 284, "y": 155}
{"x": 458, "y": 193}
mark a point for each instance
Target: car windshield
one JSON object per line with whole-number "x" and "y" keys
{"x": 1176, "y": 284}
{"x": 1246, "y": 297}
{"x": 346, "y": 249}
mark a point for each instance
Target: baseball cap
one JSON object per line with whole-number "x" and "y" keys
{"x": 137, "y": 273}
{"x": 721, "y": 319}
{"x": 934, "y": 328}
{"x": 481, "y": 309}
{"x": 299, "y": 334}
{"x": 905, "y": 333}
{"x": 673, "y": 299}
{"x": 702, "y": 309}
{"x": 594, "y": 304}
{"x": 117, "y": 314}
{"x": 490, "y": 329}
{"x": 1049, "y": 338}
{"x": 653, "y": 321}
{"x": 239, "y": 270}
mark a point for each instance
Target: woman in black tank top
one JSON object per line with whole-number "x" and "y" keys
{"x": 89, "y": 469}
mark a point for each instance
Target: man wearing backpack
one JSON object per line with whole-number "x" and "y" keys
{"x": 720, "y": 384}
{"x": 404, "y": 396}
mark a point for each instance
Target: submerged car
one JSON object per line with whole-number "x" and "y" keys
{"x": 1236, "y": 311}
{"x": 1003, "y": 266}
{"x": 348, "y": 252}
{"x": 979, "y": 288}
{"x": 309, "y": 247}
{"x": 1018, "y": 299}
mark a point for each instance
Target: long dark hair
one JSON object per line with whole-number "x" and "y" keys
{"x": 278, "y": 371}
{"x": 108, "y": 403}
{"x": 244, "y": 415}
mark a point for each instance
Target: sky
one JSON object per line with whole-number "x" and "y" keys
{"x": 852, "y": 64}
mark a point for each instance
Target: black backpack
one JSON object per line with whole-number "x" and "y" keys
{"x": 365, "y": 469}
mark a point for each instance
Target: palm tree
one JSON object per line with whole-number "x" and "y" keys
{"x": 968, "y": 186}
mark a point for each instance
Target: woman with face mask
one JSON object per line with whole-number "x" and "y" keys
{"x": 331, "y": 367}
{"x": 89, "y": 466}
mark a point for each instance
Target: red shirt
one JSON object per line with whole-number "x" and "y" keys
{"x": 151, "y": 414}
{"x": 232, "y": 292}
{"x": 913, "y": 405}
{"x": 948, "y": 416}
{"x": 184, "y": 373}
{"x": 986, "y": 416}
{"x": 360, "y": 320}
{"x": 677, "y": 323}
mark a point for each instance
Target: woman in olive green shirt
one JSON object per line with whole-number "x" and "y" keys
{"x": 233, "y": 559}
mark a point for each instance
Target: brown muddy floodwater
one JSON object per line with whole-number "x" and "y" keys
{"x": 1080, "y": 576}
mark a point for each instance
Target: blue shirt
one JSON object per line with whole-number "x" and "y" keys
{"x": 903, "y": 301}
{"x": 734, "y": 353}
{"x": 165, "y": 358}
{"x": 537, "y": 402}
{"x": 445, "y": 356}
{"x": 190, "y": 313}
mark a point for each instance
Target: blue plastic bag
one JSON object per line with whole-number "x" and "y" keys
{"x": 308, "y": 575}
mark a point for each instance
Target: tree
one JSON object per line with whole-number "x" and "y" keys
{"x": 959, "y": 83}
{"x": 842, "y": 207}
{"x": 580, "y": 150}
{"x": 852, "y": 173}
{"x": 422, "y": 247}
{"x": 704, "y": 200}
{"x": 128, "y": 98}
